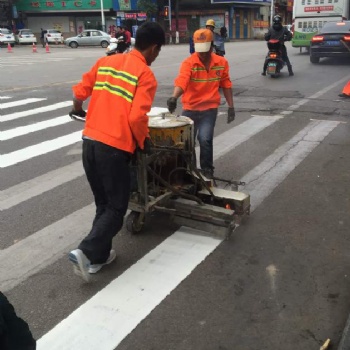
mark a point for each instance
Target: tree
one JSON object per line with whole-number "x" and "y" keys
{"x": 148, "y": 6}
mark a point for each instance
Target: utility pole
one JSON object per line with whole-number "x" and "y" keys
{"x": 103, "y": 17}
{"x": 272, "y": 11}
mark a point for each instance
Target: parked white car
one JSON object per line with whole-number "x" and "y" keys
{"x": 53, "y": 36}
{"x": 7, "y": 37}
{"x": 25, "y": 36}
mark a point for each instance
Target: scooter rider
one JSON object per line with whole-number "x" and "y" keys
{"x": 278, "y": 32}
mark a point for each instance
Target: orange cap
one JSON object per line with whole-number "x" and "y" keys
{"x": 202, "y": 39}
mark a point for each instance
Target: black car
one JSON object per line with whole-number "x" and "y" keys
{"x": 333, "y": 40}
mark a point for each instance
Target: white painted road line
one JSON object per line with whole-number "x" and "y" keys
{"x": 39, "y": 149}
{"x": 39, "y": 185}
{"x": 23, "y": 130}
{"x": 44, "y": 109}
{"x": 110, "y": 315}
{"x": 29, "y": 256}
{"x": 4, "y": 97}
{"x": 264, "y": 178}
{"x": 225, "y": 142}
{"x": 20, "y": 103}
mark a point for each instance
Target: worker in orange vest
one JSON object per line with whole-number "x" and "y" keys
{"x": 200, "y": 77}
{"x": 346, "y": 90}
{"x": 122, "y": 89}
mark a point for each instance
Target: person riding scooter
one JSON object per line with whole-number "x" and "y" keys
{"x": 278, "y": 32}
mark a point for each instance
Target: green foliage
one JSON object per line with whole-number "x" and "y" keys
{"x": 147, "y": 6}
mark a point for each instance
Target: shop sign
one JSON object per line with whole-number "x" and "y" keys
{"x": 241, "y": 1}
{"x": 261, "y": 24}
{"x": 39, "y": 5}
{"x": 318, "y": 8}
{"x": 120, "y": 14}
{"x": 140, "y": 15}
{"x": 126, "y": 5}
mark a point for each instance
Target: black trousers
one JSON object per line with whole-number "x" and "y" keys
{"x": 108, "y": 172}
{"x": 285, "y": 58}
{"x": 14, "y": 332}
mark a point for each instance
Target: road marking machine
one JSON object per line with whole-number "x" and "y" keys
{"x": 167, "y": 180}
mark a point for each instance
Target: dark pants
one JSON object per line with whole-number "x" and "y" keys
{"x": 14, "y": 332}
{"x": 107, "y": 170}
{"x": 204, "y": 123}
{"x": 285, "y": 58}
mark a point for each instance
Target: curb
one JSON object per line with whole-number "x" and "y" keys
{"x": 345, "y": 339}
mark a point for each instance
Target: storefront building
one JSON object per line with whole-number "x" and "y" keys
{"x": 69, "y": 17}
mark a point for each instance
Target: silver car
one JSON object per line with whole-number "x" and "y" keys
{"x": 89, "y": 37}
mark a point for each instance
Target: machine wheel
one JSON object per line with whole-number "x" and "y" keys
{"x": 314, "y": 59}
{"x": 104, "y": 44}
{"x": 73, "y": 44}
{"x": 134, "y": 222}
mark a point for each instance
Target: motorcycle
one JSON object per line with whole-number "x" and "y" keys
{"x": 112, "y": 48}
{"x": 274, "y": 59}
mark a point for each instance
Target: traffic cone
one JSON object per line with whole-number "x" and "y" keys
{"x": 346, "y": 90}
{"x": 47, "y": 48}
{"x": 9, "y": 48}
{"x": 34, "y": 48}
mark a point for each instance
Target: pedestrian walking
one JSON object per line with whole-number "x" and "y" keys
{"x": 200, "y": 77}
{"x": 42, "y": 36}
{"x": 122, "y": 89}
{"x": 14, "y": 331}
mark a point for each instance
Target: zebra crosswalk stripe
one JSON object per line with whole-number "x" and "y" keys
{"x": 19, "y": 103}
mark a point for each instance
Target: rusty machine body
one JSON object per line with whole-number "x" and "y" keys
{"x": 168, "y": 181}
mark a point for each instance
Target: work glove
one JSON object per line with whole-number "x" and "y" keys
{"x": 81, "y": 113}
{"x": 147, "y": 145}
{"x": 172, "y": 101}
{"x": 231, "y": 114}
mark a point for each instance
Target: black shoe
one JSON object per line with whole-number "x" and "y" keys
{"x": 291, "y": 73}
{"x": 263, "y": 73}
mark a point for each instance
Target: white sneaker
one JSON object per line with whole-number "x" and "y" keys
{"x": 81, "y": 264}
{"x": 97, "y": 267}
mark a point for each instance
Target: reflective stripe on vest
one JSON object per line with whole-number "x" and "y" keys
{"x": 207, "y": 80}
{"x": 115, "y": 88}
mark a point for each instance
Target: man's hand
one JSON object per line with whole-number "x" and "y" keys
{"x": 172, "y": 102}
{"x": 147, "y": 144}
{"x": 231, "y": 114}
{"x": 81, "y": 113}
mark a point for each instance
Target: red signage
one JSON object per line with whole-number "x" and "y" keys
{"x": 318, "y": 8}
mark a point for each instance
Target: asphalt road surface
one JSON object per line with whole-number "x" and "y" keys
{"x": 281, "y": 282}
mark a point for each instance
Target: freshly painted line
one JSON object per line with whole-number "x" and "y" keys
{"x": 232, "y": 138}
{"x": 286, "y": 112}
{"x": 43, "y": 109}
{"x": 4, "y": 97}
{"x": 20, "y": 103}
{"x": 23, "y": 130}
{"x": 264, "y": 178}
{"x": 42, "y": 248}
{"x": 118, "y": 308}
{"x": 37, "y": 186}
{"x": 23, "y": 154}
{"x": 26, "y": 190}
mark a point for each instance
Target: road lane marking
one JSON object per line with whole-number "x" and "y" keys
{"x": 39, "y": 149}
{"x": 32, "y": 188}
{"x": 24, "y": 130}
{"x": 264, "y": 178}
{"x": 119, "y": 307}
{"x": 19, "y": 103}
{"x": 224, "y": 142}
{"x": 30, "y": 255}
{"x": 38, "y": 110}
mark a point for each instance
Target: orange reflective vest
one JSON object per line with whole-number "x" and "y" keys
{"x": 122, "y": 88}
{"x": 201, "y": 87}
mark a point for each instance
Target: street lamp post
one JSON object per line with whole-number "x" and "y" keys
{"x": 272, "y": 11}
{"x": 103, "y": 17}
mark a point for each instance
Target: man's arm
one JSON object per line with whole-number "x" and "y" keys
{"x": 228, "y": 96}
